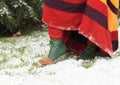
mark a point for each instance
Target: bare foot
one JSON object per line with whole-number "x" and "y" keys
{"x": 46, "y": 61}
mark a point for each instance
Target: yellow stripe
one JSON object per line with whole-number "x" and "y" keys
{"x": 104, "y": 1}
{"x": 115, "y": 3}
{"x": 112, "y": 18}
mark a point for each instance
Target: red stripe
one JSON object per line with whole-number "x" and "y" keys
{"x": 99, "y": 6}
{"x": 55, "y": 33}
{"x": 96, "y": 33}
{"x": 97, "y": 16}
{"x": 114, "y": 35}
{"x": 60, "y": 19}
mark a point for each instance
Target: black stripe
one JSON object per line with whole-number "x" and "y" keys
{"x": 112, "y": 7}
{"x": 66, "y": 6}
{"x": 78, "y": 8}
{"x": 96, "y": 16}
{"x": 115, "y": 45}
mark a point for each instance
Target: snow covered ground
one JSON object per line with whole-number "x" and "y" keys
{"x": 18, "y": 65}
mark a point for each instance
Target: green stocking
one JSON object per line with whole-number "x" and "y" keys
{"x": 89, "y": 53}
{"x": 57, "y": 49}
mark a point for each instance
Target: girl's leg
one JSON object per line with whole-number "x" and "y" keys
{"x": 57, "y": 47}
{"x": 90, "y": 51}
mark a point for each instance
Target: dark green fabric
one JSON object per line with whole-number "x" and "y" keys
{"x": 57, "y": 49}
{"x": 89, "y": 53}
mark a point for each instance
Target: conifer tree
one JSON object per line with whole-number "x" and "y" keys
{"x": 16, "y": 13}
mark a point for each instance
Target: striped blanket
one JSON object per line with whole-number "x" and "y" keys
{"x": 94, "y": 19}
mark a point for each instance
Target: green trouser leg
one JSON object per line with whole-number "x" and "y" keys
{"x": 57, "y": 49}
{"x": 89, "y": 53}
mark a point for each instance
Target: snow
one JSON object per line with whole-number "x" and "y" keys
{"x": 18, "y": 65}
{"x": 4, "y": 11}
